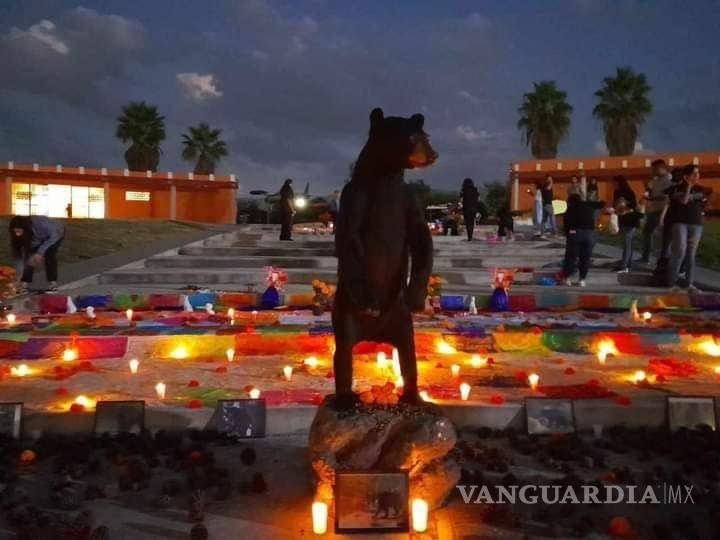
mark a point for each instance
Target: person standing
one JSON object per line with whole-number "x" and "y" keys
{"x": 656, "y": 200}
{"x": 687, "y": 204}
{"x": 548, "y": 222}
{"x": 287, "y": 210}
{"x": 574, "y": 188}
{"x": 580, "y": 237}
{"x": 35, "y": 240}
{"x": 538, "y": 210}
{"x": 629, "y": 221}
{"x": 469, "y": 196}
{"x": 624, "y": 191}
{"x": 592, "y": 193}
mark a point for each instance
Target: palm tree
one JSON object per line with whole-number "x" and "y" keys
{"x": 623, "y": 106}
{"x": 204, "y": 145}
{"x": 544, "y": 118}
{"x": 141, "y": 124}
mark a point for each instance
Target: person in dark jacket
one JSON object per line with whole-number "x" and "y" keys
{"x": 661, "y": 274}
{"x": 469, "y": 196}
{"x": 624, "y": 191}
{"x": 629, "y": 222}
{"x": 506, "y": 224}
{"x": 34, "y": 241}
{"x": 580, "y": 236}
{"x": 287, "y": 210}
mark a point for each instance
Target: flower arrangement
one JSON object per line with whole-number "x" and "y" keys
{"x": 321, "y": 299}
{"x": 434, "y": 287}
{"x": 275, "y": 277}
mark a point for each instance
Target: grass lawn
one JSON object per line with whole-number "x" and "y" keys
{"x": 89, "y": 238}
{"x": 708, "y": 253}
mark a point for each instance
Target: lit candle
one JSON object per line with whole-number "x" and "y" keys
{"x": 209, "y": 309}
{"x": 639, "y": 376}
{"x": 647, "y": 316}
{"x": 69, "y": 354}
{"x": 424, "y": 395}
{"x": 254, "y": 393}
{"x": 21, "y": 371}
{"x": 396, "y": 362}
{"x": 231, "y": 315}
{"x": 534, "y": 379}
{"x": 134, "y": 364}
{"x": 382, "y": 360}
{"x": 11, "y": 318}
{"x": 399, "y": 382}
{"x": 230, "y": 353}
{"x": 82, "y": 400}
{"x": 419, "y": 515}
{"x": 465, "y": 391}
{"x": 605, "y": 347}
{"x": 455, "y": 370}
{"x": 129, "y": 314}
{"x": 90, "y": 312}
{"x": 287, "y": 371}
{"x": 160, "y": 390}
{"x": 311, "y": 362}
{"x": 443, "y": 347}
{"x": 477, "y": 361}
{"x": 179, "y": 352}
{"x": 319, "y": 517}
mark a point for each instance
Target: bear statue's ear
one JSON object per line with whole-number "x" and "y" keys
{"x": 417, "y": 120}
{"x": 376, "y": 116}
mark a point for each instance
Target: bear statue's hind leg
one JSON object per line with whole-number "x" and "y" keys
{"x": 405, "y": 343}
{"x": 345, "y": 339}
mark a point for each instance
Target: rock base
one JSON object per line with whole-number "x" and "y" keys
{"x": 415, "y": 438}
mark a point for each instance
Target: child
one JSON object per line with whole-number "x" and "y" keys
{"x": 629, "y": 221}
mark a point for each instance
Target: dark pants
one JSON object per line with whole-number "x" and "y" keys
{"x": 578, "y": 252}
{"x": 469, "y": 222}
{"x": 662, "y": 273}
{"x": 51, "y": 265}
{"x": 286, "y": 223}
{"x": 628, "y": 235}
{"x": 652, "y": 220}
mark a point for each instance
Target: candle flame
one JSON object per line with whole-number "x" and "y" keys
{"x": 254, "y": 393}
{"x": 129, "y": 314}
{"x": 69, "y": 354}
{"x": 179, "y": 353}
{"x": 465, "y": 391}
{"x": 707, "y": 346}
{"x": 604, "y": 348}
{"x": 20, "y": 371}
{"x": 639, "y": 376}
{"x": 419, "y": 515}
{"x": 382, "y": 360}
{"x": 443, "y": 347}
{"x": 455, "y": 370}
{"x": 11, "y": 318}
{"x": 311, "y": 362}
{"x": 134, "y": 364}
{"x": 533, "y": 379}
{"x": 230, "y": 354}
{"x": 477, "y": 361}
{"x": 287, "y": 371}
{"x": 160, "y": 390}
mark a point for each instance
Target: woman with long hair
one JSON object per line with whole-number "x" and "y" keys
{"x": 34, "y": 241}
{"x": 287, "y": 209}
{"x": 469, "y": 197}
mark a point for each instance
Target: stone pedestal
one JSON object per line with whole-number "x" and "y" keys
{"x": 416, "y": 438}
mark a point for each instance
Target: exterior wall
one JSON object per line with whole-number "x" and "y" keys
{"x": 523, "y": 174}
{"x": 197, "y": 198}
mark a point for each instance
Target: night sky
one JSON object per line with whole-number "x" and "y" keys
{"x": 291, "y": 83}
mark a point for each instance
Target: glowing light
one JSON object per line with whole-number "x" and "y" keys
{"x": 69, "y": 354}
{"x": 231, "y": 314}
{"x": 708, "y": 346}
{"x": 465, "y": 391}
{"x": 11, "y": 318}
{"x": 533, "y": 379}
{"x": 399, "y": 382}
{"x": 230, "y": 354}
{"x": 455, "y": 370}
{"x": 477, "y": 361}
{"x": 179, "y": 353}
{"x": 129, "y": 314}
{"x": 443, "y": 347}
{"x": 424, "y": 395}
{"x": 300, "y": 202}
{"x": 90, "y": 312}
{"x": 639, "y": 376}
{"x": 160, "y": 390}
{"x": 21, "y": 371}
{"x": 254, "y": 393}
{"x": 396, "y": 362}
{"x": 311, "y": 362}
{"x": 84, "y": 401}
{"x": 382, "y": 360}
{"x": 319, "y": 517}
{"x": 604, "y": 348}
{"x": 419, "y": 515}
{"x": 209, "y": 309}
{"x": 134, "y": 365}
{"x": 646, "y": 316}
{"x": 287, "y": 371}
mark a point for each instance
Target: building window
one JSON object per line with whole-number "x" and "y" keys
{"x": 137, "y": 196}
{"x": 57, "y": 200}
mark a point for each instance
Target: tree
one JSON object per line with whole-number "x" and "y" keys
{"x": 623, "y": 106}
{"x": 142, "y": 126}
{"x": 544, "y": 119}
{"x": 421, "y": 190}
{"x": 204, "y": 145}
{"x": 495, "y": 195}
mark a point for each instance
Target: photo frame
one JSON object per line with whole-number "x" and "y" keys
{"x": 242, "y": 418}
{"x": 11, "y": 419}
{"x": 690, "y": 412}
{"x": 372, "y": 502}
{"x": 115, "y": 417}
{"x": 549, "y": 416}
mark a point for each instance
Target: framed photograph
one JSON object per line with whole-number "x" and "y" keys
{"x": 242, "y": 418}
{"x": 547, "y": 416}
{"x": 116, "y": 417}
{"x": 691, "y": 412}
{"x": 371, "y": 501}
{"x": 11, "y": 419}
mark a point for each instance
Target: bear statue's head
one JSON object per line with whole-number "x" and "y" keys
{"x": 401, "y": 142}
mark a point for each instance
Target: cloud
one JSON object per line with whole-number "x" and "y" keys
{"x": 469, "y": 134}
{"x": 467, "y": 96}
{"x": 199, "y": 87}
{"x": 45, "y": 33}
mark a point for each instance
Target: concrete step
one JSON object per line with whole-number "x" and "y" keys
{"x": 185, "y": 261}
{"x": 599, "y": 277}
{"x": 225, "y": 251}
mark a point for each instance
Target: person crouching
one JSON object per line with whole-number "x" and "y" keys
{"x": 34, "y": 241}
{"x": 580, "y": 237}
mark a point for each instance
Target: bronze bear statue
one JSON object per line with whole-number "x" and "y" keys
{"x": 381, "y": 227}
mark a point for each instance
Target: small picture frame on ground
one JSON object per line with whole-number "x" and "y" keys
{"x": 691, "y": 412}
{"x": 242, "y": 418}
{"x": 10, "y": 419}
{"x": 115, "y": 417}
{"x": 371, "y": 501}
{"x": 548, "y": 416}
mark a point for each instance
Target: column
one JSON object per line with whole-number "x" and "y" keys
{"x": 106, "y": 199}
{"x": 7, "y": 207}
{"x": 515, "y": 192}
{"x": 173, "y": 202}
